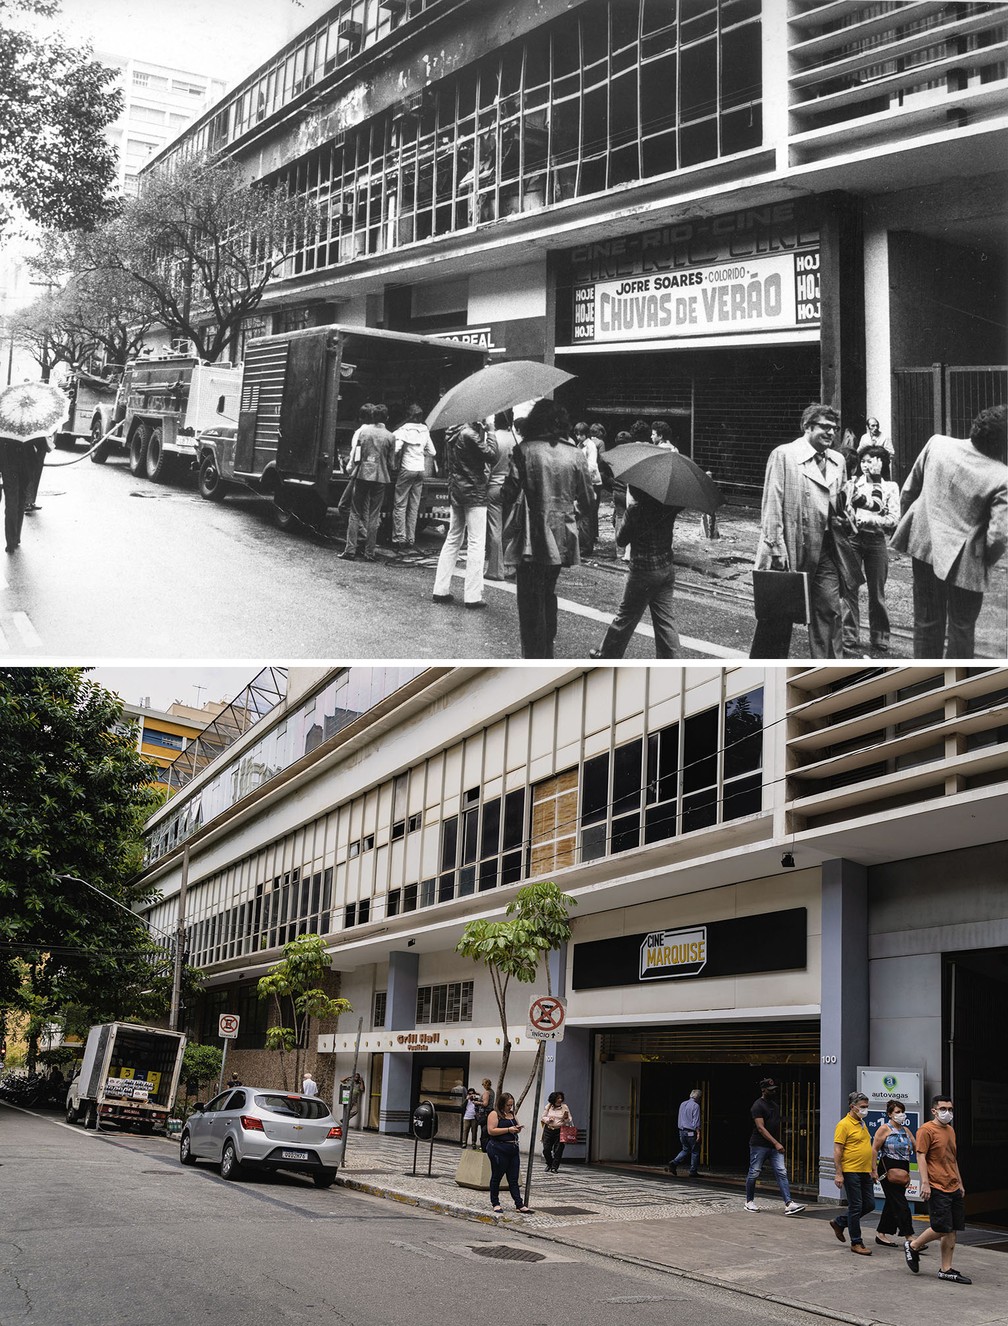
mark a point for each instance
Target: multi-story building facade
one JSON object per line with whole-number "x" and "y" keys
{"x": 709, "y": 210}
{"x": 159, "y": 103}
{"x": 795, "y": 872}
{"x": 162, "y": 735}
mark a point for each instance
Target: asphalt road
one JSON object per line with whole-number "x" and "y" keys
{"x": 110, "y": 1228}
{"x": 117, "y": 567}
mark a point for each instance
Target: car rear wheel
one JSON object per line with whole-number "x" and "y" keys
{"x": 230, "y": 1167}
{"x": 211, "y": 486}
{"x": 324, "y": 1180}
{"x": 157, "y": 457}
{"x": 185, "y": 1154}
{"x": 138, "y": 450}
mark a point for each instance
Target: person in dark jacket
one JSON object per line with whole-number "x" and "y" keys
{"x": 647, "y": 527}
{"x": 471, "y": 450}
{"x": 16, "y": 460}
{"x": 372, "y": 460}
{"x": 552, "y": 474}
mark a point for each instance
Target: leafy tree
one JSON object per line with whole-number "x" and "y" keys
{"x": 44, "y": 330}
{"x": 200, "y": 245}
{"x": 294, "y": 985}
{"x": 73, "y": 794}
{"x": 539, "y": 923}
{"x": 56, "y": 165}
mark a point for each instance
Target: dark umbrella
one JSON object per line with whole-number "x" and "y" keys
{"x": 665, "y": 475}
{"x": 495, "y": 388}
{"x": 31, "y": 409}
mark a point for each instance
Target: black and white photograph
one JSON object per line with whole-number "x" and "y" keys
{"x": 645, "y": 329}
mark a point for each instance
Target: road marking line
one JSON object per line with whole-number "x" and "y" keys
{"x": 605, "y": 619}
{"x": 25, "y": 629}
{"x": 74, "y": 1128}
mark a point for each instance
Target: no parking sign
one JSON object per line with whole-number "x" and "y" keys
{"x": 227, "y": 1026}
{"x": 546, "y": 1018}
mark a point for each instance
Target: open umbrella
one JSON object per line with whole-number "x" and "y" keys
{"x": 31, "y": 409}
{"x": 665, "y": 475}
{"x": 494, "y": 388}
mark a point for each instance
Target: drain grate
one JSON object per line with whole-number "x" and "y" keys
{"x": 566, "y": 1210}
{"x": 505, "y": 1253}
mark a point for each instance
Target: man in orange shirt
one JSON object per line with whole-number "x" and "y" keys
{"x": 942, "y": 1189}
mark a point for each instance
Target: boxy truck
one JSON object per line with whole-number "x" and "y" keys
{"x": 92, "y": 408}
{"x": 300, "y": 397}
{"x": 128, "y": 1077}
{"x": 163, "y": 403}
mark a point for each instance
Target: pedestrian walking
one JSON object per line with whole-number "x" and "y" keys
{"x": 309, "y": 1087}
{"x": 688, "y": 1123}
{"x": 16, "y": 459}
{"x": 505, "y": 440}
{"x": 661, "y": 435}
{"x": 942, "y": 1188}
{"x": 41, "y": 447}
{"x": 413, "y": 446}
{"x": 893, "y": 1146}
{"x": 471, "y": 450}
{"x": 854, "y": 1163}
{"x": 502, "y": 1148}
{"x": 371, "y": 458}
{"x": 648, "y": 527}
{"x": 870, "y": 504}
{"x": 800, "y": 495}
{"x": 766, "y": 1141}
{"x": 588, "y": 524}
{"x": 555, "y": 1118}
{"x": 547, "y": 485}
{"x": 954, "y": 525}
{"x": 470, "y": 1123}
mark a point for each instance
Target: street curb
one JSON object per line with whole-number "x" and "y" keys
{"x": 464, "y": 1213}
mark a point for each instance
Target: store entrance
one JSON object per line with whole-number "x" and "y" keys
{"x": 975, "y": 992}
{"x": 442, "y": 1079}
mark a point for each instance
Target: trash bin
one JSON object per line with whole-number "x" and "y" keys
{"x": 425, "y": 1122}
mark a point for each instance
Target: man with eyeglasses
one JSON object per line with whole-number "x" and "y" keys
{"x": 800, "y": 491}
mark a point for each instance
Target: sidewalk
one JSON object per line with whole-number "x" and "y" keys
{"x": 702, "y": 1233}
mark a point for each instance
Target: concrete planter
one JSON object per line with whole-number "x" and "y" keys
{"x": 473, "y": 1170}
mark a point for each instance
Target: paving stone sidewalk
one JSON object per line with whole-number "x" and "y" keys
{"x": 701, "y": 1232}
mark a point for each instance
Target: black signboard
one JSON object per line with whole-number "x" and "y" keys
{"x": 771, "y": 941}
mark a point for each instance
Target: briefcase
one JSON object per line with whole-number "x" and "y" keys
{"x": 781, "y": 595}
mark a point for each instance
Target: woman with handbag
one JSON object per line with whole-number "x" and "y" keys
{"x": 894, "y": 1147}
{"x": 558, "y": 1128}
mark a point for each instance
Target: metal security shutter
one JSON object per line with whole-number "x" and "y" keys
{"x": 737, "y": 1043}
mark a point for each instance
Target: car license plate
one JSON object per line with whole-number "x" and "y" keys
{"x": 293, "y": 1155}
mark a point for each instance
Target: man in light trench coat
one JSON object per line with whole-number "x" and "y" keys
{"x": 800, "y": 491}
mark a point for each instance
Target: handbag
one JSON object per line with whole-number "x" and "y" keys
{"x": 899, "y": 1177}
{"x": 783, "y": 595}
{"x": 568, "y": 1133}
{"x": 516, "y": 533}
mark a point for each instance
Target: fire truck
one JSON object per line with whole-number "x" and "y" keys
{"x": 301, "y": 394}
{"x": 92, "y": 408}
{"x": 160, "y": 407}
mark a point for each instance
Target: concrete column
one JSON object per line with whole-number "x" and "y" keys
{"x": 842, "y": 328}
{"x": 878, "y": 355}
{"x": 774, "y": 55}
{"x": 400, "y": 1014}
{"x": 844, "y": 1020}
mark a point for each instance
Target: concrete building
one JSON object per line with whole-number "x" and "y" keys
{"x": 159, "y": 102}
{"x": 795, "y": 872}
{"x": 712, "y": 211}
{"x": 162, "y": 735}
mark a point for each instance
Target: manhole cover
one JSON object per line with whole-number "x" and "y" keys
{"x": 566, "y": 1210}
{"x": 503, "y": 1252}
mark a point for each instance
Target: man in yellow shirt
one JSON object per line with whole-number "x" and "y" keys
{"x": 855, "y": 1170}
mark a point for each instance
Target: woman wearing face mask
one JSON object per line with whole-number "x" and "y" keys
{"x": 894, "y": 1149}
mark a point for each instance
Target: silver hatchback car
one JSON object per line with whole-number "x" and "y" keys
{"x": 264, "y": 1128}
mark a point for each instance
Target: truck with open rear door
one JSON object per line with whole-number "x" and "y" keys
{"x": 300, "y": 398}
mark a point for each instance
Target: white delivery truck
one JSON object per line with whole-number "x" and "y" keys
{"x": 128, "y": 1077}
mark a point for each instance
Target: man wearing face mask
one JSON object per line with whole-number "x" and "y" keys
{"x": 765, "y": 1141}
{"x": 855, "y": 1170}
{"x": 942, "y": 1189}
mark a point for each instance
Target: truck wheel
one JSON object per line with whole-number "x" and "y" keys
{"x": 100, "y": 454}
{"x": 230, "y": 1167}
{"x": 138, "y": 450}
{"x": 71, "y": 1113}
{"x": 91, "y": 1115}
{"x": 211, "y": 486}
{"x": 284, "y": 517}
{"x": 97, "y": 430}
{"x": 157, "y": 457}
{"x": 185, "y": 1154}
